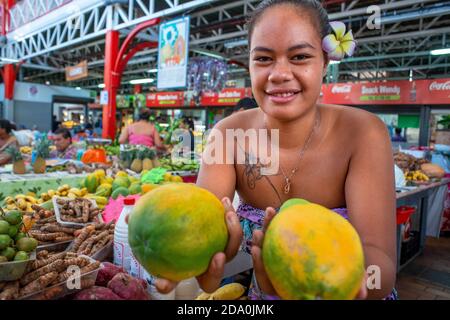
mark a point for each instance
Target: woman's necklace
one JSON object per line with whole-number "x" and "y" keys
{"x": 288, "y": 179}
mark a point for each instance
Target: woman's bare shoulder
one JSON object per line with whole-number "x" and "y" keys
{"x": 241, "y": 120}
{"x": 353, "y": 120}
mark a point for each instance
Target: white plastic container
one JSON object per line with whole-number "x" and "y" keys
{"x": 122, "y": 250}
{"x": 138, "y": 271}
{"x": 187, "y": 289}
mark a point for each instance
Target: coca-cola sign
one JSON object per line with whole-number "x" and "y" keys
{"x": 341, "y": 89}
{"x": 439, "y": 86}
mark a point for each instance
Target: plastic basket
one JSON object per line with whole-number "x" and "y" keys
{"x": 403, "y": 213}
{"x": 73, "y": 224}
{"x": 13, "y": 270}
{"x": 61, "y": 289}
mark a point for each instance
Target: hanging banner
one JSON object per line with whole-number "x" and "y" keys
{"x": 173, "y": 53}
{"x": 436, "y": 91}
{"x": 165, "y": 99}
{"x": 402, "y": 92}
{"x": 79, "y": 71}
{"x": 227, "y": 97}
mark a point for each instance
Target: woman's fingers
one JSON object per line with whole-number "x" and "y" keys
{"x": 270, "y": 213}
{"x": 165, "y": 286}
{"x": 362, "y": 294}
{"x": 261, "y": 276}
{"x": 211, "y": 279}
{"x": 234, "y": 230}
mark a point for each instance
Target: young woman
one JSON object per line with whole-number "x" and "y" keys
{"x": 335, "y": 156}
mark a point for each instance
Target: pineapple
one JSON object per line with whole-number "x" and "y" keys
{"x": 136, "y": 165}
{"x": 147, "y": 163}
{"x": 42, "y": 153}
{"x": 17, "y": 160}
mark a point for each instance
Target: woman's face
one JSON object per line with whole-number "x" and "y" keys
{"x": 287, "y": 63}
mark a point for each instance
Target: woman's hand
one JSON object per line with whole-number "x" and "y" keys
{"x": 211, "y": 279}
{"x": 263, "y": 280}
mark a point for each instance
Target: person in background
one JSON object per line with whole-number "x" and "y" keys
{"x": 245, "y": 104}
{"x": 6, "y": 140}
{"x": 64, "y": 147}
{"x": 398, "y": 136}
{"x": 142, "y": 132}
{"x": 188, "y": 125}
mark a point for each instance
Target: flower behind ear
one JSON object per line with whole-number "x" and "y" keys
{"x": 339, "y": 43}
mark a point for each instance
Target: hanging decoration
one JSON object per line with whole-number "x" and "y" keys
{"x": 206, "y": 75}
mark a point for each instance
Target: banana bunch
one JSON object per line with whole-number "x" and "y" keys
{"x": 416, "y": 175}
{"x": 26, "y": 150}
{"x": 21, "y": 202}
{"x": 101, "y": 201}
{"x": 232, "y": 291}
{"x": 64, "y": 191}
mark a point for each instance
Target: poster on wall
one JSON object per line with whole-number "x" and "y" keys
{"x": 173, "y": 53}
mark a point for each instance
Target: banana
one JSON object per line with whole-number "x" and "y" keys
{"x": 84, "y": 191}
{"x": 51, "y": 193}
{"x": 22, "y": 204}
{"x": 99, "y": 200}
{"x": 9, "y": 199}
{"x": 28, "y": 208}
{"x": 71, "y": 195}
{"x": 203, "y": 296}
{"x": 76, "y": 192}
{"x": 19, "y": 196}
{"x": 232, "y": 291}
{"x": 30, "y": 199}
{"x": 11, "y": 207}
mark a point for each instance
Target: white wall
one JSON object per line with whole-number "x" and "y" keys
{"x": 26, "y": 91}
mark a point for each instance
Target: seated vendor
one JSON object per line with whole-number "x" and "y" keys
{"x": 64, "y": 147}
{"x": 7, "y": 139}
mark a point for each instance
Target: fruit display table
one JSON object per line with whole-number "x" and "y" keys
{"x": 12, "y": 184}
{"x": 427, "y": 202}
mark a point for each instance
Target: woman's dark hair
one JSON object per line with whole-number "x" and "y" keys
{"x": 315, "y": 8}
{"x": 246, "y": 104}
{"x": 64, "y": 132}
{"x": 5, "y": 124}
{"x": 144, "y": 115}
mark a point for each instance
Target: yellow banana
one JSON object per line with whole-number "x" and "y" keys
{"x": 203, "y": 296}
{"x": 51, "y": 193}
{"x": 30, "y": 199}
{"x": 22, "y": 204}
{"x": 230, "y": 291}
{"x": 11, "y": 207}
{"x": 76, "y": 192}
{"x": 71, "y": 195}
{"x": 84, "y": 192}
{"x": 20, "y": 196}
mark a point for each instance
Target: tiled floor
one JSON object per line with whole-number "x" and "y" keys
{"x": 428, "y": 276}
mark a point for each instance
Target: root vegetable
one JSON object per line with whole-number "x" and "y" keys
{"x": 40, "y": 283}
{"x": 10, "y": 291}
{"x": 127, "y": 287}
{"x": 90, "y": 267}
{"x": 63, "y": 239}
{"x": 45, "y": 237}
{"x": 83, "y": 236}
{"x": 101, "y": 244}
{"x": 57, "y": 228}
{"x": 106, "y": 273}
{"x": 41, "y": 263}
{"x": 42, "y": 254}
{"x": 56, "y": 266}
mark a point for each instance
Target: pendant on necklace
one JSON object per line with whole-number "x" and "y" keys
{"x": 287, "y": 186}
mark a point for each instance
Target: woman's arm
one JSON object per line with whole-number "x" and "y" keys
{"x": 371, "y": 201}
{"x": 124, "y": 136}
{"x": 158, "y": 141}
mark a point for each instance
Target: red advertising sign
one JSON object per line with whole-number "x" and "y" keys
{"x": 388, "y": 92}
{"x": 436, "y": 91}
{"x": 165, "y": 99}
{"x": 227, "y": 97}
